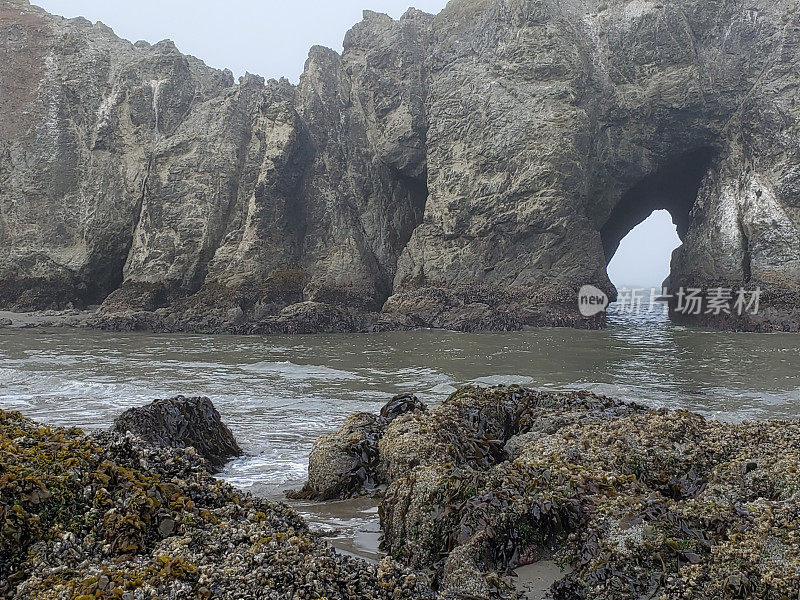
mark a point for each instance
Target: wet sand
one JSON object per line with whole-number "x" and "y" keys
{"x": 534, "y": 580}
{"x": 45, "y": 318}
{"x": 352, "y": 527}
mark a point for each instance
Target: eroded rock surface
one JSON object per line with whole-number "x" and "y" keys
{"x": 635, "y": 502}
{"x": 470, "y": 170}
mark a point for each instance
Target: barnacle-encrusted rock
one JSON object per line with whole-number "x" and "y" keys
{"x": 470, "y": 170}
{"x": 111, "y": 517}
{"x": 344, "y": 462}
{"x": 639, "y": 503}
{"x": 182, "y": 422}
{"x": 473, "y": 426}
{"x": 341, "y": 463}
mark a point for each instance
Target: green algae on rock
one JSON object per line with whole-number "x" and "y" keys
{"x": 639, "y": 503}
{"x": 107, "y": 516}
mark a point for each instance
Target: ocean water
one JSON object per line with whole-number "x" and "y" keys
{"x": 278, "y": 394}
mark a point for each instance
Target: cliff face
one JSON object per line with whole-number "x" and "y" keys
{"x": 469, "y": 170}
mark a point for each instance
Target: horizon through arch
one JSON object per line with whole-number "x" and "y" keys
{"x": 644, "y": 254}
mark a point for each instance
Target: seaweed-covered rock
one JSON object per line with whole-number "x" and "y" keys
{"x": 451, "y": 432}
{"x": 636, "y": 502}
{"x": 341, "y": 462}
{"x": 347, "y": 461}
{"x": 639, "y": 503}
{"x": 473, "y": 426}
{"x": 109, "y": 516}
{"x": 181, "y": 422}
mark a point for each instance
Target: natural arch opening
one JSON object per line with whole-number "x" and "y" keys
{"x": 673, "y": 188}
{"x": 642, "y": 259}
{"x": 653, "y": 217}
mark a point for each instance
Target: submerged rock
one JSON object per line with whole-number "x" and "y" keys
{"x": 636, "y": 502}
{"x": 182, "y": 422}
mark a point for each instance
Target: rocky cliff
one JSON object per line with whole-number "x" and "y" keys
{"x": 467, "y": 170}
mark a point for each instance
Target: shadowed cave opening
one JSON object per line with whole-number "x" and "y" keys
{"x": 653, "y": 218}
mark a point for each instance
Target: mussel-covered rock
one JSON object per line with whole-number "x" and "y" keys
{"x": 638, "y": 503}
{"x": 107, "y": 516}
{"x": 632, "y": 502}
{"x": 181, "y": 422}
{"x": 470, "y": 428}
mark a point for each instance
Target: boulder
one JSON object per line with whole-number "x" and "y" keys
{"x": 182, "y": 422}
{"x": 347, "y": 461}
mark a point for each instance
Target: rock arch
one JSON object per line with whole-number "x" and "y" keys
{"x": 673, "y": 188}
{"x": 565, "y": 138}
{"x": 470, "y": 170}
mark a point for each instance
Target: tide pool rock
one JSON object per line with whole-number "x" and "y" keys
{"x": 347, "y": 461}
{"x": 107, "y": 516}
{"x": 182, "y": 422}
